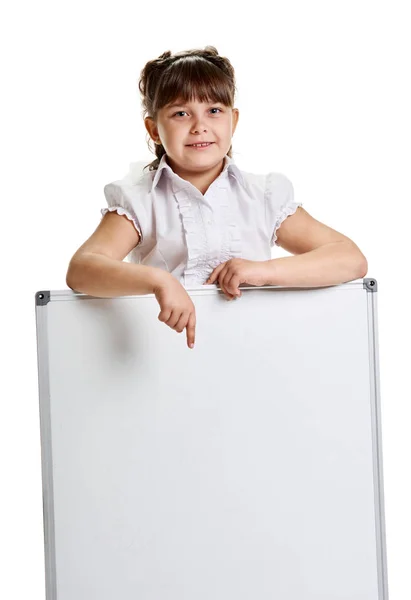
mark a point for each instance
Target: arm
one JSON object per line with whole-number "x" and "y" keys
{"x": 97, "y": 268}
{"x": 104, "y": 277}
{"x": 322, "y": 256}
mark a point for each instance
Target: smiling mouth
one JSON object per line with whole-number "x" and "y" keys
{"x": 202, "y": 145}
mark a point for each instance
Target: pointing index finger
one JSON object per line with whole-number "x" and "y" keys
{"x": 191, "y": 330}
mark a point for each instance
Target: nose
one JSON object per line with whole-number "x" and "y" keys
{"x": 197, "y": 128}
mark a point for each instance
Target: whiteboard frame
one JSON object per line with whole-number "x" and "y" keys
{"x": 42, "y": 299}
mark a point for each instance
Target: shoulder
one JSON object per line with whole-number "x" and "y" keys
{"x": 131, "y": 196}
{"x": 134, "y": 186}
{"x": 138, "y": 173}
{"x": 266, "y": 183}
{"x": 278, "y": 189}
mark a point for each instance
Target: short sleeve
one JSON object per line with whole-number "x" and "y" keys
{"x": 279, "y": 202}
{"x": 119, "y": 200}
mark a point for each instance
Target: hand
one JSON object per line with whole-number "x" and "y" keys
{"x": 236, "y": 271}
{"x": 177, "y": 308}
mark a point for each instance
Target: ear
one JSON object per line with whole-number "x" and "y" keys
{"x": 151, "y": 128}
{"x": 235, "y": 115}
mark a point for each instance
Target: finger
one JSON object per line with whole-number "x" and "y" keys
{"x": 231, "y": 283}
{"x": 223, "y": 282}
{"x": 227, "y": 294}
{"x": 164, "y": 315}
{"x": 191, "y": 330}
{"x": 214, "y": 275}
{"x": 182, "y": 322}
{"x": 174, "y": 318}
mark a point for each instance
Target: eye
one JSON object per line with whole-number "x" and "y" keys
{"x": 183, "y": 111}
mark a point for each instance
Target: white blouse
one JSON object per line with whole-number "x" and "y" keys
{"x": 189, "y": 234}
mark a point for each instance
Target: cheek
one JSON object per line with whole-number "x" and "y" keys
{"x": 175, "y": 130}
{"x": 226, "y": 127}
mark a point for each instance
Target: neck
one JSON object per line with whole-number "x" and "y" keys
{"x": 199, "y": 179}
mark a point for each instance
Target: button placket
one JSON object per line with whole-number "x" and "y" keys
{"x": 212, "y": 235}
{"x": 232, "y": 245}
{"x": 196, "y": 239}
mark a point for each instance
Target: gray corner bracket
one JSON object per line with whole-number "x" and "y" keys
{"x": 42, "y": 298}
{"x": 370, "y": 284}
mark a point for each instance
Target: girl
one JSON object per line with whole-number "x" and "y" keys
{"x": 194, "y": 217}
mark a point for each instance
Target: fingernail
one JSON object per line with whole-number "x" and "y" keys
{"x": 191, "y": 345}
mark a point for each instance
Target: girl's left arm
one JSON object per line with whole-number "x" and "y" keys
{"x": 322, "y": 255}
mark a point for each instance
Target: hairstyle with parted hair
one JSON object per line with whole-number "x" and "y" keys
{"x": 191, "y": 74}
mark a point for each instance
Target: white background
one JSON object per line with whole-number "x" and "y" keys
{"x": 324, "y": 97}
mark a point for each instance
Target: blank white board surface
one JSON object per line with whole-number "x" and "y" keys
{"x": 247, "y": 468}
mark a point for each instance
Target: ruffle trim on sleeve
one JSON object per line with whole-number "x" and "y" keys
{"x": 200, "y": 264}
{"x": 286, "y": 211}
{"x": 122, "y": 211}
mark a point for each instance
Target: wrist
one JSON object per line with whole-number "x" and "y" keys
{"x": 268, "y": 267}
{"x": 159, "y": 278}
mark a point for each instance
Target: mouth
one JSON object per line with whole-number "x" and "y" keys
{"x": 200, "y": 145}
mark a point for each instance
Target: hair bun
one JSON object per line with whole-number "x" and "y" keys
{"x": 211, "y": 50}
{"x": 165, "y": 55}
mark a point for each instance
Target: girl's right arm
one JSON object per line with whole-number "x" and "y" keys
{"x": 97, "y": 269}
{"x": 104, "y": 277}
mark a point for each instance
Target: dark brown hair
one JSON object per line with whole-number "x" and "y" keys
{"x": 192, "y": 74}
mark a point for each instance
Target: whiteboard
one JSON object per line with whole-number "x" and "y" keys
{"x": 247, "y": 468}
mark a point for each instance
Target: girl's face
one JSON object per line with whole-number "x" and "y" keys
{"x": 181, "y": 124}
